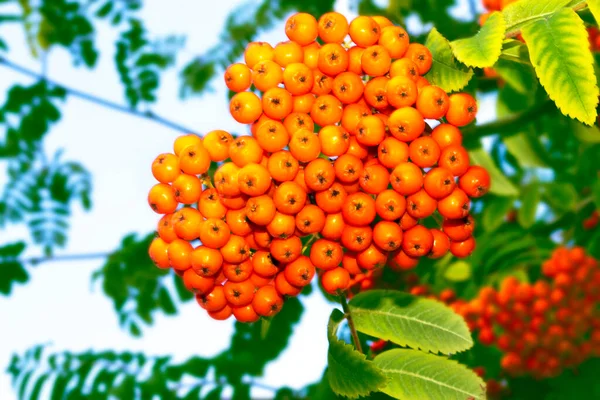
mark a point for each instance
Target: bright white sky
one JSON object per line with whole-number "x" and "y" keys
{"x": 58, "y": 305}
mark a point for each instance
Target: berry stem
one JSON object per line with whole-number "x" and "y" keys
{"x": 149, "y": 115}
{"x": 351, "y": 326}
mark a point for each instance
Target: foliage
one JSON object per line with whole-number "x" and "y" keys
{"x": 420, "y": 376}
{"x": 350, "y": 373}
{"x": 12, "y": 270}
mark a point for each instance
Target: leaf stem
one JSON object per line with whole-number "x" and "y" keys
{"x": 351, "y": 326}
{"x": 149, "y": 115}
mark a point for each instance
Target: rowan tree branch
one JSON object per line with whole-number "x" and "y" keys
{"x": 351, "y": 326}
{"x": 66, "y": 257}
{"x": 149, "y": 115}
{"x": 513, "y": 122}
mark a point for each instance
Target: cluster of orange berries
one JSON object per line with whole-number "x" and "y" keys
{"x": 546, "y": 326}
{"x": 339, "y": 168}
{"x": 592, "y": 221}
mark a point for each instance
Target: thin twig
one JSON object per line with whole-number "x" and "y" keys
{"x": 149, "y": 115}
{"x": 66, "y": 257}
{"x": 351, "y": 326}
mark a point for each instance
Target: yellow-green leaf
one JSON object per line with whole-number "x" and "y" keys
{"x": 586, "y": 134}
{"x": 445, "y": 71}
{"x": 559, "y": 51}
{"x": 414, "y": 375}
{"x": 483, "y": 49}
{"x": 458, "y": 271}
{"x": 520, "y": 13}
{"x": 350, "y": 373}
{"x": 500, "y": 185}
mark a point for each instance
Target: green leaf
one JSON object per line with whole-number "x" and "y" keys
{"x": 521, "y": 147}
{"x": 521, "y": 13}
{"x": 410, "y": 320}
{"x": 495, "y": 211}
{"x": 445, "y": 72}
{"x": 559, "y": 51}
{"x": 414, "y": 375}
{"x": 561, "y": 196}
{"x": 596, "y": 193}
{"x": 529, "y": 205}
{"x": 483, "y": 49}
{"x": 500, "y": 185}
{"x": 458, "y": 271}
{"x": 37, "y": 388}
{"x": 350, "y": 373}
{"x": 586, "y": 134}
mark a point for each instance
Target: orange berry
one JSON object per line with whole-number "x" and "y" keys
{"x": 421, "y": 56}
{"x": 179, "y": 252}
{"x": 364, "y": 31}
{"x": 238, "y": 77}
{"x": 333, "y": 59}
{"x": 298, "y": 79}
{"x": 266, "y": 75}
{"x": 256, "y": 52}
{"x": 165, "y": 168}
{"x": 217, "y": 144}
{"x": 376, "y": 60}
{"x": 332, "y": 27}
{"x": 286, "y": 53}
{"x": 267, "y": 302}
{"x": 245, "y": 107}
{"x": 395, "y": 40}
{"x": 301, "y": 28}
{"x": 462, "y": 109}
{"x": 158, "y": 252}
{"x": 206, "y": 261}
{"x": 161, "y": 198}
{"x": 335, "y": 280}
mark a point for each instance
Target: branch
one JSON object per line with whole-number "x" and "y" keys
{"x": 66, "y": 257}
{"x": 149, "y": 115}
{"x": 515, "y": 121}
{"x": 353, "y": 332}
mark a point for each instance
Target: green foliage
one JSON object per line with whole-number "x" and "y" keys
{"x": 445, "y": 71}
{"x": 529, "y": 205}
{"x": 483, "y": 49}
{"x": 558, "y": 46}
{"x": 410, "y": 320}
{"x": 12, "y": 270}
{"x": 350, "y": 373}
{"x": 136, "y": 286}
{"x": 414, "y": 375}
{"x": 139, "y": 62}
{"x": 458, "y": 271}
{"x": 594, "y": 6}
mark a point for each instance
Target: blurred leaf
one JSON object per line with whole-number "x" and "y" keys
{"x": 561, "y": 196}
{"x": 586, "y": 134}
{"x": 413, "y": 375}
{"x": 530, "y": 200}
{"x": 410, "y": 320}
{"x": 518, "y": 75}
{"x": 596, "y": 193}
{"x": 594, "y": 6}
{"x": 458, "y": 271}
{"x": 560, "y": 53}
{"x": 495, "y": 212}
{"x": 521, "y": 147}
{"x": 483, "y": 49}
{"x": 350, "y": 373}
{"x": 12, "y": 270}
{"x": 500, "y": 185}
{"x": 445, "y": 72}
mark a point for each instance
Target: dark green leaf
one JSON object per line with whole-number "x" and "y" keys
{"x": 529, "y": 205}
{"x": 495, "y": 212}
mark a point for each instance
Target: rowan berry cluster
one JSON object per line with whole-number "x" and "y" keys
{"x": 546, "y": 326}
{"x": 340, "y": 167}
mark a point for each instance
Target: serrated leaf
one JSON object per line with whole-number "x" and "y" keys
{"x": 560, "y": 54}
{"x": 483, "y": 49}
{"x": 521, "y": 147}
{"x": 414, "y": 375}
{"x": 529, "y": 204}
{"x": 350, "y": 373}
{"x": 445, "y": 72}
{"x": 495, "y": 211}
{"x": 410, "y": 320}
{"x": 562, "y": 196}
{"x": 522, "y": 12}
{"x": 458, "y": 271}
{"x": 586, "y": 134}
{"x": 500, "y": 185}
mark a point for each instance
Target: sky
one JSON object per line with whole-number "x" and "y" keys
{"x": 59, "y": 305}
